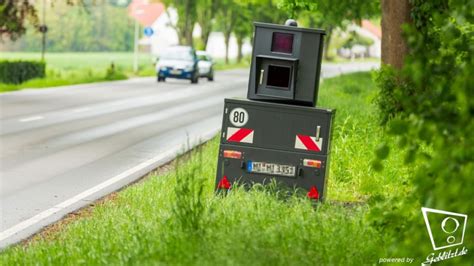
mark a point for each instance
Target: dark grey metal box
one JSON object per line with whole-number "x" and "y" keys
{"x": 286, "y": 64}
{"x": 262, "y": 140}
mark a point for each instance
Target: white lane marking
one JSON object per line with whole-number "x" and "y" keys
{"x": 31, "y": 118}
{"x": 81, "y": 196}
{"x": 80, "y": 110}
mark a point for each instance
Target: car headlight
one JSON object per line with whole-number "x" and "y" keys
{"x": 189, "y": 68}
{"x": 163, "y": 68}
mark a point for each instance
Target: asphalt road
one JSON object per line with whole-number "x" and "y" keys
{"x": 62, "y": 148}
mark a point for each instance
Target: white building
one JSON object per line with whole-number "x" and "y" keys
{"x": 367, "y": 30}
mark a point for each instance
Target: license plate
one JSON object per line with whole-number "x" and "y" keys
{"x": 271, "y": 168}
{"x": 176, "y": 72}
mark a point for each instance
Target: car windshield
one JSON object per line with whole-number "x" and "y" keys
{"x": 177, "y": 54}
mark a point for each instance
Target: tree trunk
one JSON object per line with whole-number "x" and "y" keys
{"x": 205, "y": 38}
{"x": 240, "y": 43}
{"x": 189, "y": 26}
{"x": 395, "y": 13}
{"x": 206, "y": 15}
{"x": 185, "y": 32}
{"x": 189, "y": 36}
{"x": 181, "y": 38}
{"x": 327, "y": 42}
{"x": 227, "y": 40}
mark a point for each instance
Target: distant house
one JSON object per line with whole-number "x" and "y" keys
{"x": 368, "y": 30}
{"x": 374, "y": 32}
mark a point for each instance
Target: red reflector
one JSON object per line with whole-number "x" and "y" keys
{"x": 313, "y": 193}
{"x": 232, "y": 154}
{"x": 312, "y": 163}
{"x": 224, "y": 183}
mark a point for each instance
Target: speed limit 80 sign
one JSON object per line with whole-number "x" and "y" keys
{"x": 238, "y": 117}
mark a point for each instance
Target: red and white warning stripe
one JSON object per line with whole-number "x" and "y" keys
{"x": 242, "y": 135}
{"x": 308, "y": 143}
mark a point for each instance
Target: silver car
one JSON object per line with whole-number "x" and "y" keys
{"x": 205, "y": 65}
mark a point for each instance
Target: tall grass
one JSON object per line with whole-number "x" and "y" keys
{"x": 177, "y": 218}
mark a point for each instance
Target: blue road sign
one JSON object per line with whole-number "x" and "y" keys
{"x": 148, "y": 31}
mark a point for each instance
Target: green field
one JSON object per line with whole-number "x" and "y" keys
{"x": 77, "y": 68}
{"x": 176, "y": 218}
{"x": 74, "y": 61}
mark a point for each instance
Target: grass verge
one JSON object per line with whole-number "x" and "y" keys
{"x": 175, "y": 218}
{"x": 55, "y": 78}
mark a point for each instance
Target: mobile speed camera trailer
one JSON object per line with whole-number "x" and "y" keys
{"x": 277, "y": 133}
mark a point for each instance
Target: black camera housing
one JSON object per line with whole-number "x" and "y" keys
{"x": 286, "y": 64}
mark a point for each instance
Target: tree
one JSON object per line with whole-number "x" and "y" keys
{"x": 87, "y": 29}
{"x": 432, "y": 108}
{"x": 228, "y": 17}
{"x": 254, "y": 10}
{"x": 241, "y": 31}
{"x": 330, "y": 15}
{"x": 187, "y": 17}
{"x": 395, "y": 13}
{"x": 206, "y": 12}
{"x": 14, "y": 14}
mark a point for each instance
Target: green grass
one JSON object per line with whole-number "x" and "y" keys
{"x": 221, "y": 65}
{"x": 56, "y": 78}
{"x": 175, "y": 218}
{"x": 74, "y": 61}
{"x": 338, "y": 59}
{"x": 77, "y": 68}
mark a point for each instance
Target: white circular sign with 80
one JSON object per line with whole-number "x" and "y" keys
{"x": 238, "y": 117}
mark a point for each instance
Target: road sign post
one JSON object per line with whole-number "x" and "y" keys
{"x": 144, "y": 13}
{"x": 277, "y": 133}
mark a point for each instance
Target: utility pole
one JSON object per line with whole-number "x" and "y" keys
{"x": 43, "y": 29}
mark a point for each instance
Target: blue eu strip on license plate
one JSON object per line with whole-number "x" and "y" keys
{"x": 249, "y": 166}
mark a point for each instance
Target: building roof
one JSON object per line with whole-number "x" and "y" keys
{"x": 374, "y": 29}
{"x": 145, "y": 12}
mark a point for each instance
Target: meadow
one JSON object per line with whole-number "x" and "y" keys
{"x": 76, "y": 60}
{"x": 87, "y": 67}
{"x": 175, "y": 217}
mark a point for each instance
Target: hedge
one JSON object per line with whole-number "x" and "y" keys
{"x": 16, "y": 72}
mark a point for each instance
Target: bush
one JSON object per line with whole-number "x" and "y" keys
{"x": 16, "y": 72}
{"x": 113, "y": 74}
{"x": 392, "y": 90}
{"x": 434, "y": 118}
